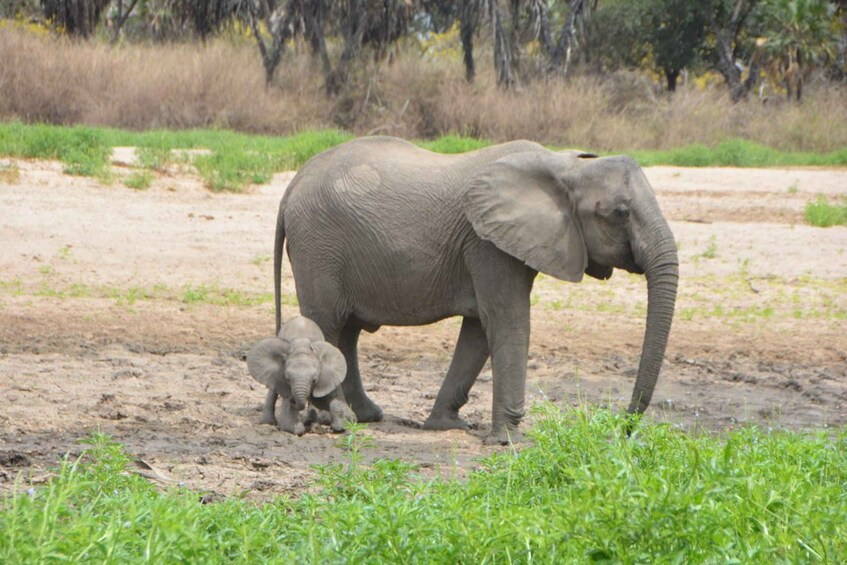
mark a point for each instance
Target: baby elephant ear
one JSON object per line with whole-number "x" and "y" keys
{"x": 266, "y": 361}
{"x": 333, "y": 368}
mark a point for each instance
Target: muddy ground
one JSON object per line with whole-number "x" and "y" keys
{"x": 129, "y": 311}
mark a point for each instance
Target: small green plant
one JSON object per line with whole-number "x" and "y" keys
{"x": 233, "y": 169}
{"x": 9, "y": 173}
{"x": 823, "y": 214}
{"x": 154, "y": 157}
{"x": 711, "y": 250}
{"x": 194, "y": 294}
{"x": 744, "y": 267}
{"x": 793, "y": 187}
{"x": 65, "y": 252}
{"x": 129, "y": 296}
{"x": 139, "y": 180}
{"x": 259, "y": 260}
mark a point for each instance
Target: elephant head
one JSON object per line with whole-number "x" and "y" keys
{"x": 569, "y": 213}
{"x": 298, "y": 363}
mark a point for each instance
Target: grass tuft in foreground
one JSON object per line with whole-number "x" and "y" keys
{"x": 583, "y": 492}
{"x": 822, "y": 214}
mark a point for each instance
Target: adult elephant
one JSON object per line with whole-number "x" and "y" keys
{"x": 381, "y": 232}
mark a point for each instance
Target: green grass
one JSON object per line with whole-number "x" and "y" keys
{"x": 453, "y": 144}
{"x": 235, "y": 160}
{"x": 738, "y": 153}
{"x": 711, "y": 251}
{"x": 582, "y": 492}
{"x": 822, "y": 214}
{"x": 139, "y": 180}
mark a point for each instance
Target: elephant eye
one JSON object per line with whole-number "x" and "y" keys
{"x": 621, "y": 212}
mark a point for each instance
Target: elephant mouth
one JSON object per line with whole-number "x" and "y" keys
{"x": 629, "y": 264}
{"x": 632, "y": 267}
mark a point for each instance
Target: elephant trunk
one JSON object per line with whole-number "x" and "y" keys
{"x": 300, "y": 390}
{"x": 661, "y": 267}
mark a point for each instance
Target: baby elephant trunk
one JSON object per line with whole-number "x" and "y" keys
{"x": 300, "y": 390}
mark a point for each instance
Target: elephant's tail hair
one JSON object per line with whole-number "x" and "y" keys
{"x": 279, "y": 247}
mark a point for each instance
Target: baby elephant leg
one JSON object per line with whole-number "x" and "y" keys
{"x": 269, "y": 409}
{"x": 291, "y": 419}
{"x": 338, "y": 411}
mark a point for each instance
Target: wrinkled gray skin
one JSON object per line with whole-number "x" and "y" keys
{"x": 301, "y": 367}
{"x": 381, "y": 232}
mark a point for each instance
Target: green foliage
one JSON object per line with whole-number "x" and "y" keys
{"x": 83, "y": 150}
{"x": 233, "y": 169}
{"x": 801, "y": 30}
{"x": 822, "y": 214}
{"x": 583, "y": 491}
{"x": 139, "y": 180}
{"x": 711, "y": 250}
{"x": 738, "y": 153}
{"x": 665, "y": 35}
{"x": 236, "y": 160}
{"x": 452, "y": 144}
{"x": 155, "y": 157}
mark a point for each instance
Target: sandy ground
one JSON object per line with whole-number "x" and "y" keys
{"x": 129, "y": 312}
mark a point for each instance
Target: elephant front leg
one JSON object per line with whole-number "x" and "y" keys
{"x": 341, "y": 415}
{"x": 468, "y": 360}
{"x": 290, "y": 420}
{"x": 506, "y": 325}
{"x": 269, "y": 409}
{"x": 337, "y": 410}
{"x": 510, "y": 347}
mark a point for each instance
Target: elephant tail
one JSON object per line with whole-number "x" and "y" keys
{"x": 279, "y": 248}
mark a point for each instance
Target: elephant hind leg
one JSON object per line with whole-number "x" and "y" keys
{"x": 468, "y": 360}
{"x": 364, "y": 408}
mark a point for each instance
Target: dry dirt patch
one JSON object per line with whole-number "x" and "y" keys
{"x": 129, "y": 312}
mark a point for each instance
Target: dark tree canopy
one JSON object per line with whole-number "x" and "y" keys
{"x": 76, "y": 17}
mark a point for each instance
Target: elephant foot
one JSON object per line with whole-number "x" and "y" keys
{"x": 505, "y": 436}
{"x": 268, "y": 419}
{"x": 297, "y": 429}
{"x": 366, "y": 411}
{"x": 448, "y": 421}
{"x": 340, "y": 414}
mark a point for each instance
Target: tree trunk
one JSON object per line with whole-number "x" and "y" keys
{"x": 502, "y": 49}
{"x": 726, "y": 35}
{"x": 468, "y": 18}
{"x": 121, "y": 20}
{"x": 562, "y": 53}
{"x": 314, "y": 15}
{"x": 671, "y": 75}
{"x": 278, "y": 23}
{"x": 353, "y": 28}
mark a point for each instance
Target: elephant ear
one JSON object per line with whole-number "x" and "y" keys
{"x": 266, "y": 363}
{"x": 521, "y": 204}
{"x": 333, "y": 368}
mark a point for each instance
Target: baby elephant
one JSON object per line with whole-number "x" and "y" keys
{"x": 300, "y": 366}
